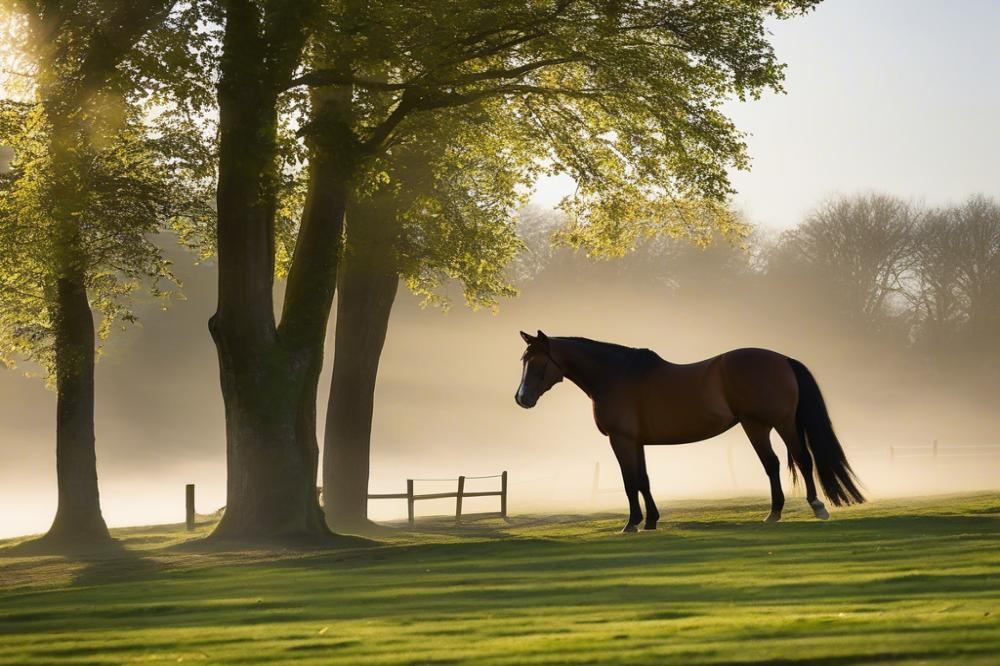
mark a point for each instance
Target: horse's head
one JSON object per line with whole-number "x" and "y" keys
{"x": 539, "y": 372}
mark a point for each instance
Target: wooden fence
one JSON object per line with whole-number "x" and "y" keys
{"x": 410, "y": 497}
{"x": 459, "y": 494}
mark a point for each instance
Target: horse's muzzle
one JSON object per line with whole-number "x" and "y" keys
{"x": 517, "y": 399}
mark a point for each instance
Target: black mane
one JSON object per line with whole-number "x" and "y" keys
{"x": 635, "y": 358}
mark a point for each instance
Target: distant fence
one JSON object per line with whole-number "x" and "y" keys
{"x": 934, "y": 451}
{"x": 595, "y": 485}
{"x": 895, "y": 453}
{"x": 459, "y": 494}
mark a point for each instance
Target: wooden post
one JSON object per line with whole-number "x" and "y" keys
{"x": 409, "y": 500}
{"x": 189, "y": 506}
{"x": 503, "y": 495}
{"x": 732, "y": 467}
{"x": 458, "y": 500}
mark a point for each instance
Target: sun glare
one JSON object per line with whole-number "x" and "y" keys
{"x": 15, "y": 65}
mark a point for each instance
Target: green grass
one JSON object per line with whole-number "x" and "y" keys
{"x": 901, "y": 582}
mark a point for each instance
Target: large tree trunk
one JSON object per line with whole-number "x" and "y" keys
{"x": 268, "y": 373}
{"x": 366, "y": 289}
{"x": 78, "y": 520}
{"x": 271, "y": 458}
{"x": 269, "y": 388}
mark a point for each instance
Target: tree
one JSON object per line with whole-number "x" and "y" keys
{"x": 446, "y": 212}
{"x": 624, "y": 97}
{"x": 978, "y": 223}
{"x": 268, "y": 370}
{"x": 935, "y": 292}
{"x": 87, "y": 186}
{"x": 859, "y": 249}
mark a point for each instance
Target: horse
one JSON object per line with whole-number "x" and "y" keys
{"x": 640, "y": 399}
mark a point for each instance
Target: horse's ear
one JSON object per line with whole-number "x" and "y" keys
{"x": 527, "y": 338}
{"x": 542, "y": 338}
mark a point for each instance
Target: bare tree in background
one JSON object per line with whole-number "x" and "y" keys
{"x": 860, "y": 250}
{"x": 978, "y": 223}
{"x": 938, "y": 309}
{"x": 955, "y": 291}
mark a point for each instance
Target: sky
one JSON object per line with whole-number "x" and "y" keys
{"x": 900, "y": 96}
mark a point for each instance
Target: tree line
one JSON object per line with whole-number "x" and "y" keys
{"x": 925, "y": 277}
{"x": 877, "y": 267}
{"x": 336, "y": 146}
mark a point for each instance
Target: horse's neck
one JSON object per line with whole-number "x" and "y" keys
{"x": 587, "y": 366}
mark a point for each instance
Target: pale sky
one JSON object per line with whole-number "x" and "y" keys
{"x": 900, "y": 96}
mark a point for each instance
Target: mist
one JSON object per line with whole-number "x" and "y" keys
{"x": 445, "y": 405}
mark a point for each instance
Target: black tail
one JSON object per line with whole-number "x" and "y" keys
{"x": 816, "y": 432}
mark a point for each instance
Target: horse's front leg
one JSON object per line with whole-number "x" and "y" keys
{"x": 627, "y": 451}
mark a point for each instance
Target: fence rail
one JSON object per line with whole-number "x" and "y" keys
{"x": 459, "y": 494}
{"x": 895, "y": 453}
{"x": 935, "y": 451}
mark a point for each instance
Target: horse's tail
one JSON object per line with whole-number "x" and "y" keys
{"x": 816, "y": 432}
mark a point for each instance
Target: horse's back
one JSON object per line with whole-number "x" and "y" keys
{"x": 680, "y": 403}
{"x": 658, "y": 402}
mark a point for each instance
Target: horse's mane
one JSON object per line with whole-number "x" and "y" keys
{"x": 635, "y": 357}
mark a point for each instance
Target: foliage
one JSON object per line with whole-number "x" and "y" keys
{"x": 87, "y": 196}
{"x": 624, "y": 97}
{"x": 458, "y": 185}
{"x": 128, "y": 191}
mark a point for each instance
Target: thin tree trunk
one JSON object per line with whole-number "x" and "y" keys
{"x": 366, "y": 289}
{"x": 78, "y": 520}
{"x": 68, "y": 82}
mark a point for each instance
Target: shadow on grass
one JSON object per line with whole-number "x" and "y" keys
{"x": 883, "y": 657}
{"x": 665, "y": 576}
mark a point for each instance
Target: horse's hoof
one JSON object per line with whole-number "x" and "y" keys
{"x": 819, "y": 510}
{"x": 630, "y": 528}
{"x": 773, "y": 517}
{"x": 649, "y": 526}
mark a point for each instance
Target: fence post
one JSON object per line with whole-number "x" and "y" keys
{"x": 409, "y": 500}
{"x": 503, "y": 495}
{"x": 458, "y": 500}
{"x": 732, "y": 467}
{"x": 189, "y": 506}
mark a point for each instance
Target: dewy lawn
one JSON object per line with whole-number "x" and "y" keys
{"x": 901, "y": 582}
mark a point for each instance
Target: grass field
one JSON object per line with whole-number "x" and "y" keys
{"x": 901, "y": 582}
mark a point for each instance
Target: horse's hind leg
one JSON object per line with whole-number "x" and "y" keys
{"x": 652, "y": 515}
{"x": 760, "y": 436}
{"x": 628, "y": 452}
{"x": 790, "y": 434}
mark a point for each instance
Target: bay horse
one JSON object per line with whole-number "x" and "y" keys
{"x": 640, "y": 399}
